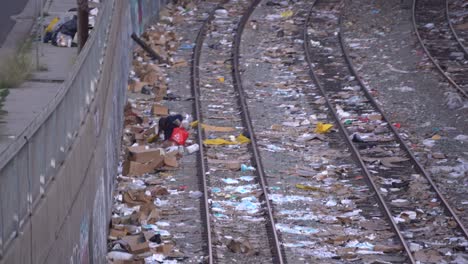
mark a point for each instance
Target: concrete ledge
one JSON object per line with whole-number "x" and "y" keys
{"x": 23, "y": 105}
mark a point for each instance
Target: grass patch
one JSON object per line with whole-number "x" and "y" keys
{"x": 17, "y": 67}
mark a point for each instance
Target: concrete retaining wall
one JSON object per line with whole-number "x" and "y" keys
{"x": 67, "y": 221}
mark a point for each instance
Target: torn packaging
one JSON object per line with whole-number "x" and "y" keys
{"x": 136, "y": 86}
{"x": 164, "y": 249}
{"x": 137, "y": 244}
{"x": 117, "y": 234}
{"x": 171, "y": 161}
{"x": 136, "y": 197}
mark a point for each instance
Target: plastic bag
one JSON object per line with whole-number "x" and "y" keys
{"x": 241, "y": 139}
{"x": 323, "y": 128}
{"x": 63, "y": 40}
{"x": 179, "y": 135}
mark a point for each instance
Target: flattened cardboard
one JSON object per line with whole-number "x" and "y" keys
{"x": 160, "y": 110}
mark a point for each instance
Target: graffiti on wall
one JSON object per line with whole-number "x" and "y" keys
{"x": 136, "y": 13}
{"x": 99, "y": 226}
{"x": 142, "y": 11}
{"x": 80, "y": 253}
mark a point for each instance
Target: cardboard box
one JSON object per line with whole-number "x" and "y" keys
{"x": 171, "y": 161}
{"x": 136, "y": 87}
{"x": 159, "y": 110}
{"x": 137, "y": 244}
{"x": 135, "y": 128}
{"x": 140, "y": 138}
{"x": 117, "y": 234}
{"x": 132, "y": 168}
{"x": 161, "y": 91}
{"x": 142, "y": 154}
{"x": 164, "y": 249}
{"x": 150, "y": 77}
{"x": 151, "y": 235}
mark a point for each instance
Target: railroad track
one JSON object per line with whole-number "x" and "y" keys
{"x": 231, "y": 213}
{"x": 425, "y": 223}
{"x": 455, "y": 11}
{"x": 431, "y": 21}
{"x": 323, "y": 208}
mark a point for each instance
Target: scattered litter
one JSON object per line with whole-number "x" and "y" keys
{"x": 295, "y": 229}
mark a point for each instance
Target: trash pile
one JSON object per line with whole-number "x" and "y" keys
{"x": 61, "y": 30}
{"x": 154, "y": 141}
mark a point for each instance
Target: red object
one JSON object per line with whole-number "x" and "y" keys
{"x": 179, "y": 135}
{"x": 363, "y": 119}
{"x": 397, "y": 125}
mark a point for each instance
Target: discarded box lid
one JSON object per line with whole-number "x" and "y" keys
{"x": 159, "y": 110}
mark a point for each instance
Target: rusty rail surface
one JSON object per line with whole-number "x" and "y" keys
{"x": 418, "y": 167}
{"x": 195, "y": 83}
{"x": 421, "y": 41}
{"x": 274, "y": 239}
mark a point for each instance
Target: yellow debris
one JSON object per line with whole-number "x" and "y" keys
{"x": 307, "y": 187}
{"x": 323, "y": 128}
{"x": 241, "y": 139}
{"x": 287, "y": 14}
{"x": 52, "y": 24}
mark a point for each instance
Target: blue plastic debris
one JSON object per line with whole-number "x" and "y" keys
{"x": 230, "y": 181}
{"x": 299, "y": 230}
{"x": 187, "y": 46}
{"x": 247, "y": 168}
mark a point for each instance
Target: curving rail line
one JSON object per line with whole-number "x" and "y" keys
{"x": 437, "y": 59}
{"x": 248, "y": 123}
{"x": 195, "y": 85}
{"x": 329, "y": 89}
{"x": 454, "y": 32}
{"x": 256, "y": 160}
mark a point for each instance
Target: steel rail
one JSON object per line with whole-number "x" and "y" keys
{"x": 248, "y": 124}
{"x": 405, "y": 147}
{"x": 346, "y": 135}
{"x": 418, "y": 165}
{"x": 447, "y": 14}
{"x": 450, "y": 80}
{"x": 195, "y": 85}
